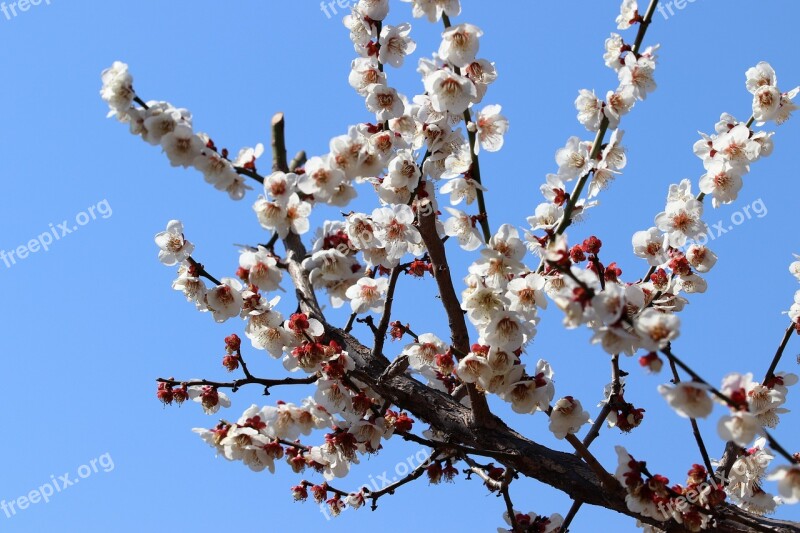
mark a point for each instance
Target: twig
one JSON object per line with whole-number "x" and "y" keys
{"x": 695, "y": 428}
{"x": 238, "y": 383}
{"x": 778, "y": 354}
{"x": 201, "y": 271}
{"x": 383, "y": 325}
{"x": 299, "y": 160}
{"x": 279, "y": 162}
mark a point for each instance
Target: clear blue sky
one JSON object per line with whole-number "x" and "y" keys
{"x": 89, "y": 325}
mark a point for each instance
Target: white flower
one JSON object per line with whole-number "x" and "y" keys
{"x": 794, "y": 268}
{"x": 759, "y": 503}
{"x": 433, "y": 9}
{"x": 192, "y": 287}
{"x": 531, "y": 393}
{"x": 361, "y": 231}
{"x": 681, "y": 221}
{"x": 760, "y": 76}
{"x": 374, "y": 9}
{"x": 248, "y": 156}
{"x": 275, "y": 216}
{"x": 460, "y": 44}
{"x": 320, "y": 179}
{"x": 701, "y": 258}
{"x": 422, "y": 354}
{"x": 787, "y": 106}
{"x": 364, "y": 72}
{"x": 117, "y": 89}
{"x": 736, "y": 147}
{"x": 649, "y": 245}
{"x": 567, "y": 417}
{"x": 368, "y": 294}
{"x": 225, "y": 301}
{"x": 460, "y": 226}
{"x": 182, "y": 146}
{"x": 395, "y": 44}
{"x": 766, "y": 104}
{"x": 461, "y": 189}
{"x": 551, "y": 524}
{"x": 262, "y": 269}
{"x": 629, "y": 11}
{"x": 526, "y": 294}
{"x": 619, "y": 104}
{"x": 740, "y": 427}
{"x": 788, "y": 478}
{"x": 573, "y": 160}
{"x": 279, "y": 186}
{"x": 590, "y": 109}
{"x": 265, "y": 331}
{"x": 174, "y": 248}
{"x": 748, "y": 471}
{"x": 689, "y": 399}
{"x": 333, "y": 396}
{"x": 482, "y": 302}
{"x": 403, "y": 170}
{"x": 385, "y": 102}
{"x": 474, "y": 368}
{"x": 396, "y": 230}
{"x": 638, "y": 74}
{"x": 508, "y": 331}
{"x": 613, "y": 53}
{"x": 216, "y": 170}
{"x": 162, "y": 119}
{"x": 546, "y": 216}
{"x": 450, "y": 92}
{"x": 458, "y": 162}
{"x": 492, "y": 126}
{"x": 656, "y": 329}
{"x": 610, "y": 303}
{"x": 482, "y": 73}
{"x": 722, "y": 182}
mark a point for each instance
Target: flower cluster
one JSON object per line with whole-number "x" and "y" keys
{"x": 652, "y": 496}
{"x": 755, "y": 405}
{"x": 794, "y": 311}
{"x": 532, "y": 522}
{"x": 162, "y": 124}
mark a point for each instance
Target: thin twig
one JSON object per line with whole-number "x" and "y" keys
{"x": 778, "y": 354}
{"x": 676, "y": 378}
{"x": 383, "y": 325}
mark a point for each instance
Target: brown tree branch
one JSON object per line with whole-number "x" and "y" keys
{"x": 239, "y": 383}
{"x": 459, "y": 334}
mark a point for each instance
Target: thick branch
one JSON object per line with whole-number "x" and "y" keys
{"x": 455, "y": 315}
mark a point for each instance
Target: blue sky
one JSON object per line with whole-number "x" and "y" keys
{"x": 89, "y": 324}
